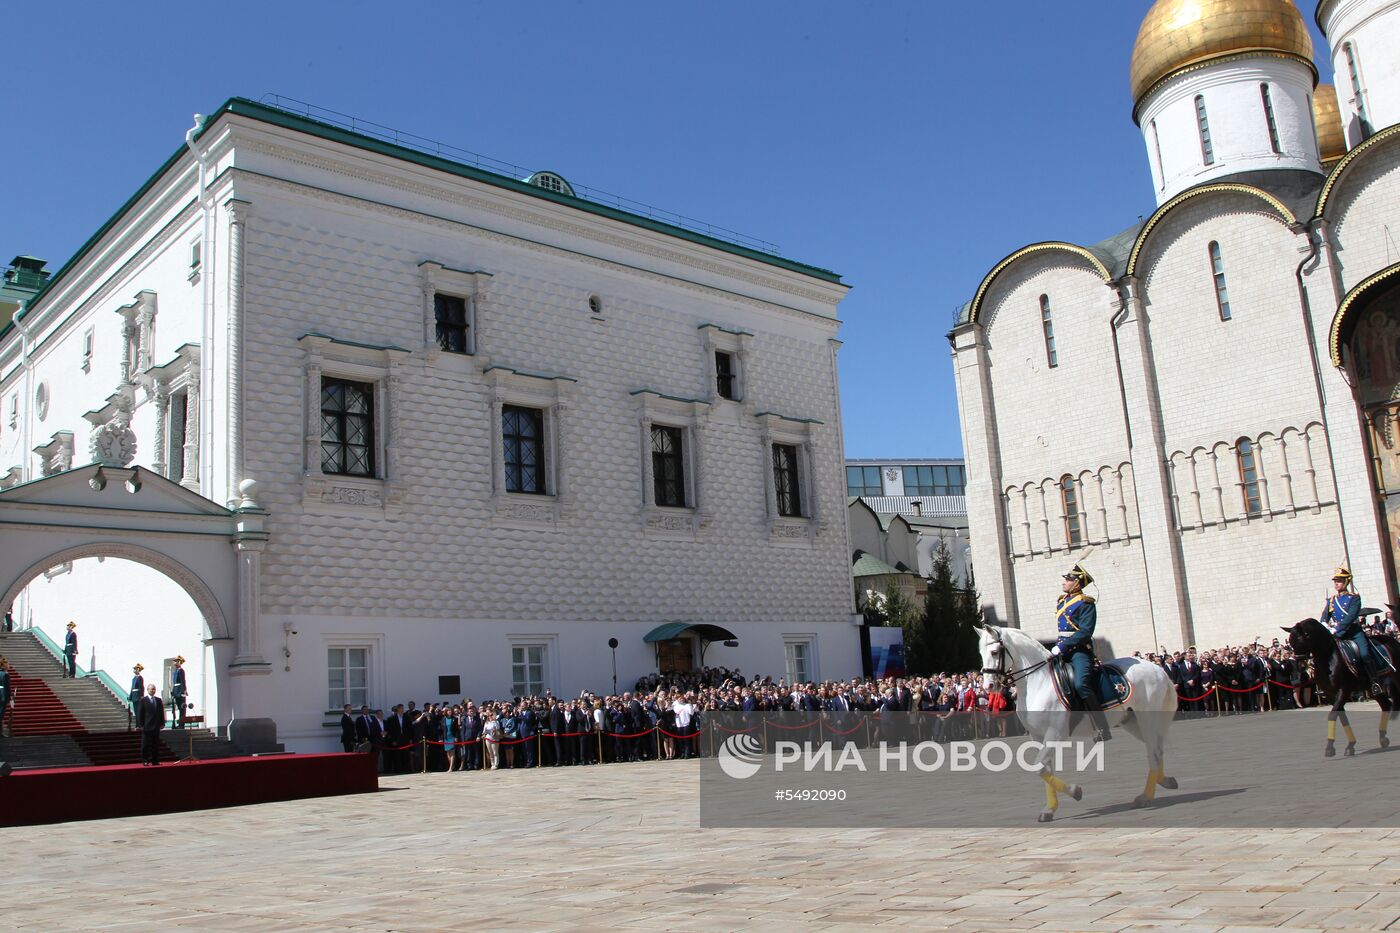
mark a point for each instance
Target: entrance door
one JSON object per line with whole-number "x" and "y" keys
{"x": 675, "y": 656}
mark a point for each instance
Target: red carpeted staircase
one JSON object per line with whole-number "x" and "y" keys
{"x": 75, "y": 722}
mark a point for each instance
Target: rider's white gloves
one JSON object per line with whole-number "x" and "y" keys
{"x": 1055, "y": 651}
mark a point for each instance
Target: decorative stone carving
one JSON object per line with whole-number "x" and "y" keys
{"x": 113, "y": 443}
{"x": 57, "y": 455}
{"x": 351, "y": 495}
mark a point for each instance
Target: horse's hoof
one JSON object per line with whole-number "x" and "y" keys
{"x": 1076, "y": 791}
{"x": 1045, "y": 816}
{"x": 1330, "y": 751}
{"x": 1140, "y": 801}
{"x": 1168, "y": 782}
{"x": 1385, "y": 740}
{"x": 1349, "y": 751}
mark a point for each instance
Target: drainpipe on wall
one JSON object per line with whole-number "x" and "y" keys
{"x": 206, "y": 356}
{"x": 1314, "y": 247}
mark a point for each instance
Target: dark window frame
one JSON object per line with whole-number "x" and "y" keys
{"x": 522, "y": 476}
{"x": 787, "y": 483}
{"x": 452, "y": 322}
{"x": 726, "y": 376}
{"x": 668, "y": 466}
{"x": 1069, "y": 501}
{"x": 337, "y": 422}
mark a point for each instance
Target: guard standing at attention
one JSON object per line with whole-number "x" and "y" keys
{"x": 178, "y": 692}
{"x": 138, "y": 690}
{"x": 70, "y": 651}
{"x": 1342, "y": 616}
{"x": 1075, "y": 617}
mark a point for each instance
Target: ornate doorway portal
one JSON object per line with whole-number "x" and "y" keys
{"x": 1373, "y": 359}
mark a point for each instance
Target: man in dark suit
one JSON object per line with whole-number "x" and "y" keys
{"x": 347, "y": 729}
{"x": 367, "y": 730}
{"x": 134, "y": 695}
{"x": 559, "y": 723}
{"x": 584, "y": 724}
{"x": 397, "y": 731}
{"x": 70, "y": 651}
{"x": 472, "y": 724}
{"x": 638, "y": 722}
{"x": 150, "y": 719}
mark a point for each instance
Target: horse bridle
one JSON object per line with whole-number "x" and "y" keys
{"x": 1000, "y": 670}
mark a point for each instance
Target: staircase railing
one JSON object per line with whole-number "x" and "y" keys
{"x": 102, "y": 677}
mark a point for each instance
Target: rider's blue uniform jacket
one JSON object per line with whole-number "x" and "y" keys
{"x": 1342, "y": 614}
{"x": 1075, "y": 617}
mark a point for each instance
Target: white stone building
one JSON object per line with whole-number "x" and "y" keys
{"x": 491, "y": 425}
{"x": 1201, "y": 408}
{"x": 899, "y": 511}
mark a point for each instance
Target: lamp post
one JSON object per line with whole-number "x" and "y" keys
{"x": 612, "y": 643}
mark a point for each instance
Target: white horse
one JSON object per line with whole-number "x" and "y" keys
{"x": 1010, "y": 655}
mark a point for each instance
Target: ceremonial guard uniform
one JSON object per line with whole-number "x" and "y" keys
{"x": 1076, "y": 616}
{"x": 1342, "y": 616}
{"x": 138, "y": 690}
{"x": 5, "y": 696}
{"x": 178, "y": 692}
{"x": 70, "y": 651}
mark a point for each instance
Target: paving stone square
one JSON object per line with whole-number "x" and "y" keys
{"x": 616, "y": 847}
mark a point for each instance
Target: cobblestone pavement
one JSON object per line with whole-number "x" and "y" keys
{"x": 617, "y": 847}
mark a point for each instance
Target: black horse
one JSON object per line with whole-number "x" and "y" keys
{"x": 1311, "y": 639}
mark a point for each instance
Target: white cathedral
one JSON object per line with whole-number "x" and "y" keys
{"x": 344, "y": 421}
{"x": 1203, "y": 409}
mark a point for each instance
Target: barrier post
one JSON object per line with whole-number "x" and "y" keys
{"x": 765, "y": 735}
{"x": 425, "y": 754}
{"x": 867, "y": 731}
{"x": 713, "y": 727}
{"x": 539, "y": 751}
{"x": 656, "y": 730}
{"x": 599, "y": 734}
{"x": 1216, "y": 690}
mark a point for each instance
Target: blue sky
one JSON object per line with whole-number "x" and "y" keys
{"x": 908, "y": 146}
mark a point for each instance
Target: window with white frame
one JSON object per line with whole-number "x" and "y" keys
{"x": 1248, "y": 462}
{"x": 672, "y": 482}
{"x": 175, "y": 386}
{"x": 792, "y": 503}
{"x": 1217, "y": 271}
{"x": 450, "y": 298}
{"x": 352, "y": 425}
{"x": 347, "y": 677}
{"x": 799, "y": 659}
{"x": 726, "y": 354}
{"x": 529, "y": 471}
{"x": 1354, "y": 76}
{"x": 89, "y": 338}
{"x": 1269, "y": 118}
{"x": 1203, "y": 128}
{"x": 1047, "y": 324}
{"x": 527, "y": 669}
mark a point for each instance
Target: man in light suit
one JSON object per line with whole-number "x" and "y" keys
{"x": 150, "y": 719}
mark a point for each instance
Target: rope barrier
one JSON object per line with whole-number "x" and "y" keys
{"x": 675, "y": 736}
{"x": 1209, "y": 693}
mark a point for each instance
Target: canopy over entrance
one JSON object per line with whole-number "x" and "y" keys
{"x": 703, "y": 630}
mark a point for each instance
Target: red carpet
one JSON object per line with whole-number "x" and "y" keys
{"x": 38, "y": 711}
{"x": 59, "y": 795}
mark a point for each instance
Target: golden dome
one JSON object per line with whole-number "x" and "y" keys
{"x": 1176, "y": 34}
{"x": 1327, "y": 118}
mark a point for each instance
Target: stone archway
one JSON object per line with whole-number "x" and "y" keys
{"x": 214, "y": 620}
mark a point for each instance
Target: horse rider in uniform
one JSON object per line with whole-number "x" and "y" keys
{"x": 1342, "y": 616}
{"x": 1075, "y": 616}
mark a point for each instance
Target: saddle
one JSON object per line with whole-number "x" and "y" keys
{"x": 1352, "y": 662}
{"x": 1108, "y": 681}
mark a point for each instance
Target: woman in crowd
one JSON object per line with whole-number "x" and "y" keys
{"x": 491, "y": 737}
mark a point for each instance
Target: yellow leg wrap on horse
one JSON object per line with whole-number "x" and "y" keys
{"x": 1385, "y": 721}
{"x": 1151, "y": 791}
{"x": 1332, "y": 731}
{"x": 1052, "y": 799}
{"x": 1351, "y": 736}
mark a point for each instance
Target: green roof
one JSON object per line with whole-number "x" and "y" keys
{"x": 868, "y": 565}
{"x": 251, "y": 109}
{"x": 669, "y": 630}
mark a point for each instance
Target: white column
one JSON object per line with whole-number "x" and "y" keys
{"x": 238, "y": 212}
{"x": 1171, "y": 611}
{"x": 191, "y": 452}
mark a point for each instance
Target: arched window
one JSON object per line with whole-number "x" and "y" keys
{"x": 1354, "y": 74}
{"x": 1050, "y": 355}
{"x": 1269, "y": 116}
{"x": 1203, "y": 125}
{"x": 1217, "y": 271}
{"x": 1249, "y": 477}
{"x": 1069, "y": 496}
{"x": 1157, "y": 148}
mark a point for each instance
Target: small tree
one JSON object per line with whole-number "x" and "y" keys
{"x": 950, "y": 616}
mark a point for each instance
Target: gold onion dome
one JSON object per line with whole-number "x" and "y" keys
{"x": 1177, "y": 34}
{"x": 1327, "y": 117}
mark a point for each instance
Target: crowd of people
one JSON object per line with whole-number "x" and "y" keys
{"x": 670, "y": 716}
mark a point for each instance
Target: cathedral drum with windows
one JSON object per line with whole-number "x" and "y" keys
{"x": 1213, "y": 487}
